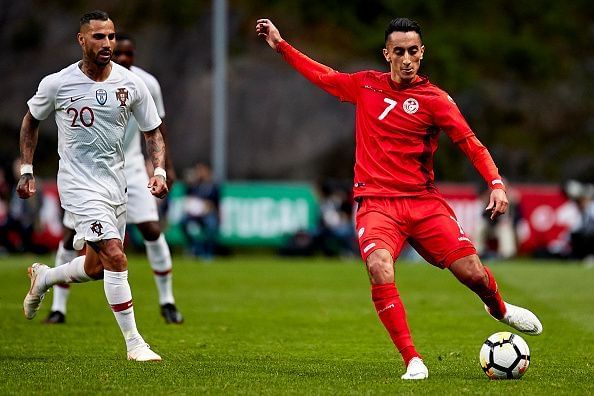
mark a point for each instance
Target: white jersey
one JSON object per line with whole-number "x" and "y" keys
{"x": 91, "y": 117}
{"x": 132, "y": 143}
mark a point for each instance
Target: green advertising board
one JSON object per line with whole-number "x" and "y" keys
{"x": 265, "y": 214}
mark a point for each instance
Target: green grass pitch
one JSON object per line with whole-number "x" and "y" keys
{"x": 270, "y": 326}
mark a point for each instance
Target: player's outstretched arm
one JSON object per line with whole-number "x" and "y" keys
{"x": 155, "y": 148}
{"x": 338, "y": 84}
{"x": 266, "y": 29}
{"x": 28, "y": 143}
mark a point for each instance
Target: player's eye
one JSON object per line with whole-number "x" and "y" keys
{"x": 111, "y": 36}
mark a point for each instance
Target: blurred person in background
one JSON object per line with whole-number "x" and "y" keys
{"x": 21, "y": 218}
{"x": 581, "y": 237}
{"x": 336, "y": 232}
{"x": 200, "y": 221}
{"x": 399, "y": 116}
{"x": 142, "y": 206}
{"x": 92, "y": 100}
{"x": 497, "y": 238}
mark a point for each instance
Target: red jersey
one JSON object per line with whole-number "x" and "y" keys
{"x": 396, "y": 127}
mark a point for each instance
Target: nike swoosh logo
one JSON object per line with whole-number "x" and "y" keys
{"x": 74, "y": 99}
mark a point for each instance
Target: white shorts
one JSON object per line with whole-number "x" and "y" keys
{"x": 142, "y": 205}
{"x": 96, "y": 222}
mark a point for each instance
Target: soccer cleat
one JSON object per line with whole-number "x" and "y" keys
{"x": 520, "y": 319}
{"x": 143, "y": 353}
{"x": 35, "y": 295}
{"x": 55, "y": 317}
{"x": 171, "y": 314}
{"x": 416, "y": 370}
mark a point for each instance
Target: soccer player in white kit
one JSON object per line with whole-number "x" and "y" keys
{"x": 92, "y": 100}
{"x": 142, "y": 207}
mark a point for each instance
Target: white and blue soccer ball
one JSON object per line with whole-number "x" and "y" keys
{"x": 504, "y": 355}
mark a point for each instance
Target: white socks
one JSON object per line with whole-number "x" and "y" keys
{"x": 72, "y": 272}
{"x": 159, "y": 257}
{"x": 62, "y": 291}
{"x": 119, "y": 297}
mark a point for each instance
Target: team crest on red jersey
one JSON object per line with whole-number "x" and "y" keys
{"x": 122, "y": 96}
{"x": 410, "y": 106}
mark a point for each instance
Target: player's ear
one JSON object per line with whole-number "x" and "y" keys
{"x": 386, "y": 56}
{"x": 422, "y": 51}
{"x": 80, "y": 38}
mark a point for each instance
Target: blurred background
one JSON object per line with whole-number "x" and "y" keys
{"x": 522, "y": 73}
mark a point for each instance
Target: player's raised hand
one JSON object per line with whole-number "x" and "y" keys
{"x": 266, "y": 29}
{"x": 26, "y": 186}
{"x": 158, "y": 186}
{"x": 498, "y": 203}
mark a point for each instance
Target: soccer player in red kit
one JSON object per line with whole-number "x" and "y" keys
{"x": 399, "y": 116}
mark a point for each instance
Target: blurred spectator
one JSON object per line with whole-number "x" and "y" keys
{"x": 582, "y": 234}
{"x": 201, "y": 211}
{"x": 497, "y": 239}
{"x": 336, "y": 230}
{"x": 5, "y": 190}
{"x": 19, "y": 226}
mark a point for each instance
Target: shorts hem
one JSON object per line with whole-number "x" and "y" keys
{"x": 456, "y": 255}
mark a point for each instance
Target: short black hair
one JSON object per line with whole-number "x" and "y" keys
{"x": 121, "y": 36}
{"x": 402, "y": 25}
{"x": 96, "y": 15}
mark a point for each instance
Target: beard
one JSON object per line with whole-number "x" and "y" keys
{"x": 100, "y": 58}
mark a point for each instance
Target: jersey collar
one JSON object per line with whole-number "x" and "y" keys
{"x": 419, "y": 80}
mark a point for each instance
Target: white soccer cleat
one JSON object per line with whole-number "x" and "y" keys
{"x": 143, "y": 353}
{"x": 35, "y": 295}
{"x": 416, "y": 370}
{"x": 520, "y": 319}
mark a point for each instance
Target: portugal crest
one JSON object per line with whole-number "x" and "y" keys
{"x": 122, "y": 96}
{"x": 97, "y": 228}
{"x": 101, "y": 96}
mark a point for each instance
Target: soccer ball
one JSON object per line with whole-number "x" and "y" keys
{"x": 504, "y": 355}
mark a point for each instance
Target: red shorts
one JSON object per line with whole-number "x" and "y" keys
{"x": 427, "y": 222}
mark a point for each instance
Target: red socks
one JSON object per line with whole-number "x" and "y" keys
{"x": 492, "y": 298}
{"x": 392, "y": 314}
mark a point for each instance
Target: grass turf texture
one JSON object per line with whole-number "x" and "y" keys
{"x": 265, "y": 325}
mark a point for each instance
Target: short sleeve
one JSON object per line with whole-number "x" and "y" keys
{"x": 144, "y": 108}
{"x": 155, "y": 89}
{"x": 448, "y": 118}
{"x": 43, "y": 103}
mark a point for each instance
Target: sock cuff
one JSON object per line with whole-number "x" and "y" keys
{"x": 115, "y": 277}
{"x": 381, "y": 292}
{"x": 156, "y": 242}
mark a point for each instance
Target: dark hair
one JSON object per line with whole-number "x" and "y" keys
{"x": 402, "y": 25}
{"x": 96, "y": 15}
{"x": 121, "y": 36}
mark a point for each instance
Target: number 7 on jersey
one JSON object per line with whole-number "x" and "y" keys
{"x": 391, "y": 104}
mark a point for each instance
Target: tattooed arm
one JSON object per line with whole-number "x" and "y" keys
{"x": 28, "y": 143}
{"x": 171, "y": 175}
{"x": 155, "y": 148}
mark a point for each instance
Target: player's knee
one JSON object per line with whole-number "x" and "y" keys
{"x": 380, "y": 267}
{"x": 150, "y": 230}
{"x": 114, "y": 258}
{"x": 471, "y": 272}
